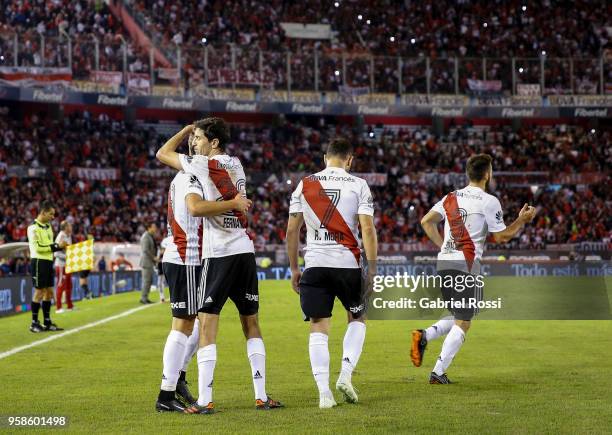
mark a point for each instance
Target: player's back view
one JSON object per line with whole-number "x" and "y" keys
{"x": 469, "y": 215}
{"x": 332, "y": 203}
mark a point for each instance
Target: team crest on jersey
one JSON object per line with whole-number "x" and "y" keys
{"x": 462, "y": 213}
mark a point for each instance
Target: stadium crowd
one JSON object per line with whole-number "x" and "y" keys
{"x": 497, "y": 30}
{"x": 83, "y": 20}
{"x": 113, "y": 208}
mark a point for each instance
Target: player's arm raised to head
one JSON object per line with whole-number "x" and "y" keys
{"x": 430, "y": 225}
{"x": 294, "y": 225}
{"x": 525, "y": 216}
{"x": 369, "y": 237}
{"x": 199, "y": 207}
{"x": 167, "y": 153}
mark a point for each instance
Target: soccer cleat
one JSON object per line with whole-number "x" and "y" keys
{"x": 169, "y": 406}
{"x": 268, "y": 404}
{"x": 417, "y": 350}
{"x": 197, "y": 409}
{"x": 36, "y": 327}
{"x": 346, "y": 388}
{"x": 60, "y": 311}
{"x": 52, "y": 327}
{"x": 439, "y": 379}
{"x": 183, "y": 394}
{"x": 326, "y": 400}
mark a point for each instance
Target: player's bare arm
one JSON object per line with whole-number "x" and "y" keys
{"x": 430, "y": 225}
{"x": 199, "y": 207}
{"x": 294, "y": 225}
{"x": 525, "y": 216}
{"x": 167, "y": 153}
{"x": 369, "y": 237}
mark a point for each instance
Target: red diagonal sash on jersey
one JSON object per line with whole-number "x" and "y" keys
{"x": 178, "y": 235}
{"x": 225, "y": 186}
{"x": 323, "y": 207}
{"x": 460, "y": 233}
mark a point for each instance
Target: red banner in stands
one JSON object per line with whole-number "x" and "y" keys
{"x": 35, "y": 76}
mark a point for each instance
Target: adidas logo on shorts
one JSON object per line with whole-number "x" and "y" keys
{"x": 208, "y": 300}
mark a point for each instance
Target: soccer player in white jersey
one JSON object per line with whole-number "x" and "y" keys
{"x": 469, "y": 215}
{"x": 181, "y": 264}
{"x": 228, "y": 267}
{"x": 332, "y": 203}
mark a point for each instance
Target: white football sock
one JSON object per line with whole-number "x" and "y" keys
{"x": 256, "y": 352}
{"x": 192, "y": 345}
{"x": 438, "y": 329}
{"x": 319, "y": 360}
{"x": 351, "y": 348}
{"x": 450, "y": 347}
{"x": 207, "y": 358}
{"x": 173, "y": 358}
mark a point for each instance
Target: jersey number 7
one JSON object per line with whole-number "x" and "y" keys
{"x": 333, "y": 195}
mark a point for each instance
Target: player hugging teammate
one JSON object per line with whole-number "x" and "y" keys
{"x": 218, "y": 194}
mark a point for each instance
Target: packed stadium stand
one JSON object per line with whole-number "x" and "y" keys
{"x": 441, "y": 44}
{"x": 113, "y": 207}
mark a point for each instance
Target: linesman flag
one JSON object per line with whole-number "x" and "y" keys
{"x": 80, "y": 256}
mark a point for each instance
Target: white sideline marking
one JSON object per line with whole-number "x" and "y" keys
{"x": 71, "y": 331}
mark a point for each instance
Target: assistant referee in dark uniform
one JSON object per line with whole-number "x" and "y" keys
{"x": 42, "y": 247}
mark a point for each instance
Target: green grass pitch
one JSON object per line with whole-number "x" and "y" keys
{"x": 511, "y": 376}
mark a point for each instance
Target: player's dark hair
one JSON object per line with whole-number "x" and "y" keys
{"x": 477, "y": 166}
{"x": 46, "y": 205}
{"x": 340, "y": 147}
{"x": 148, "y": 224}
{"x": 214, "y": 128}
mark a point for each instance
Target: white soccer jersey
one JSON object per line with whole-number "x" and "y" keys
{"x": 331, "y": 201}
{"x": 222, "y": 177}
{"x": 60, "y": 256}
{"x": 469, "y": 215}
{"x": 184, "y": 241}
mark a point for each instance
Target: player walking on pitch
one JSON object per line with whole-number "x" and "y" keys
{"x": 228, "y": 267}
{"x": 469, "y": 214}
{"x": 332, "y": 202}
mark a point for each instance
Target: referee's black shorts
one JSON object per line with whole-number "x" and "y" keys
{"x": 319, "y": 286}
{"x": 183, "y": 282}
{"x": 43, "y": 275}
